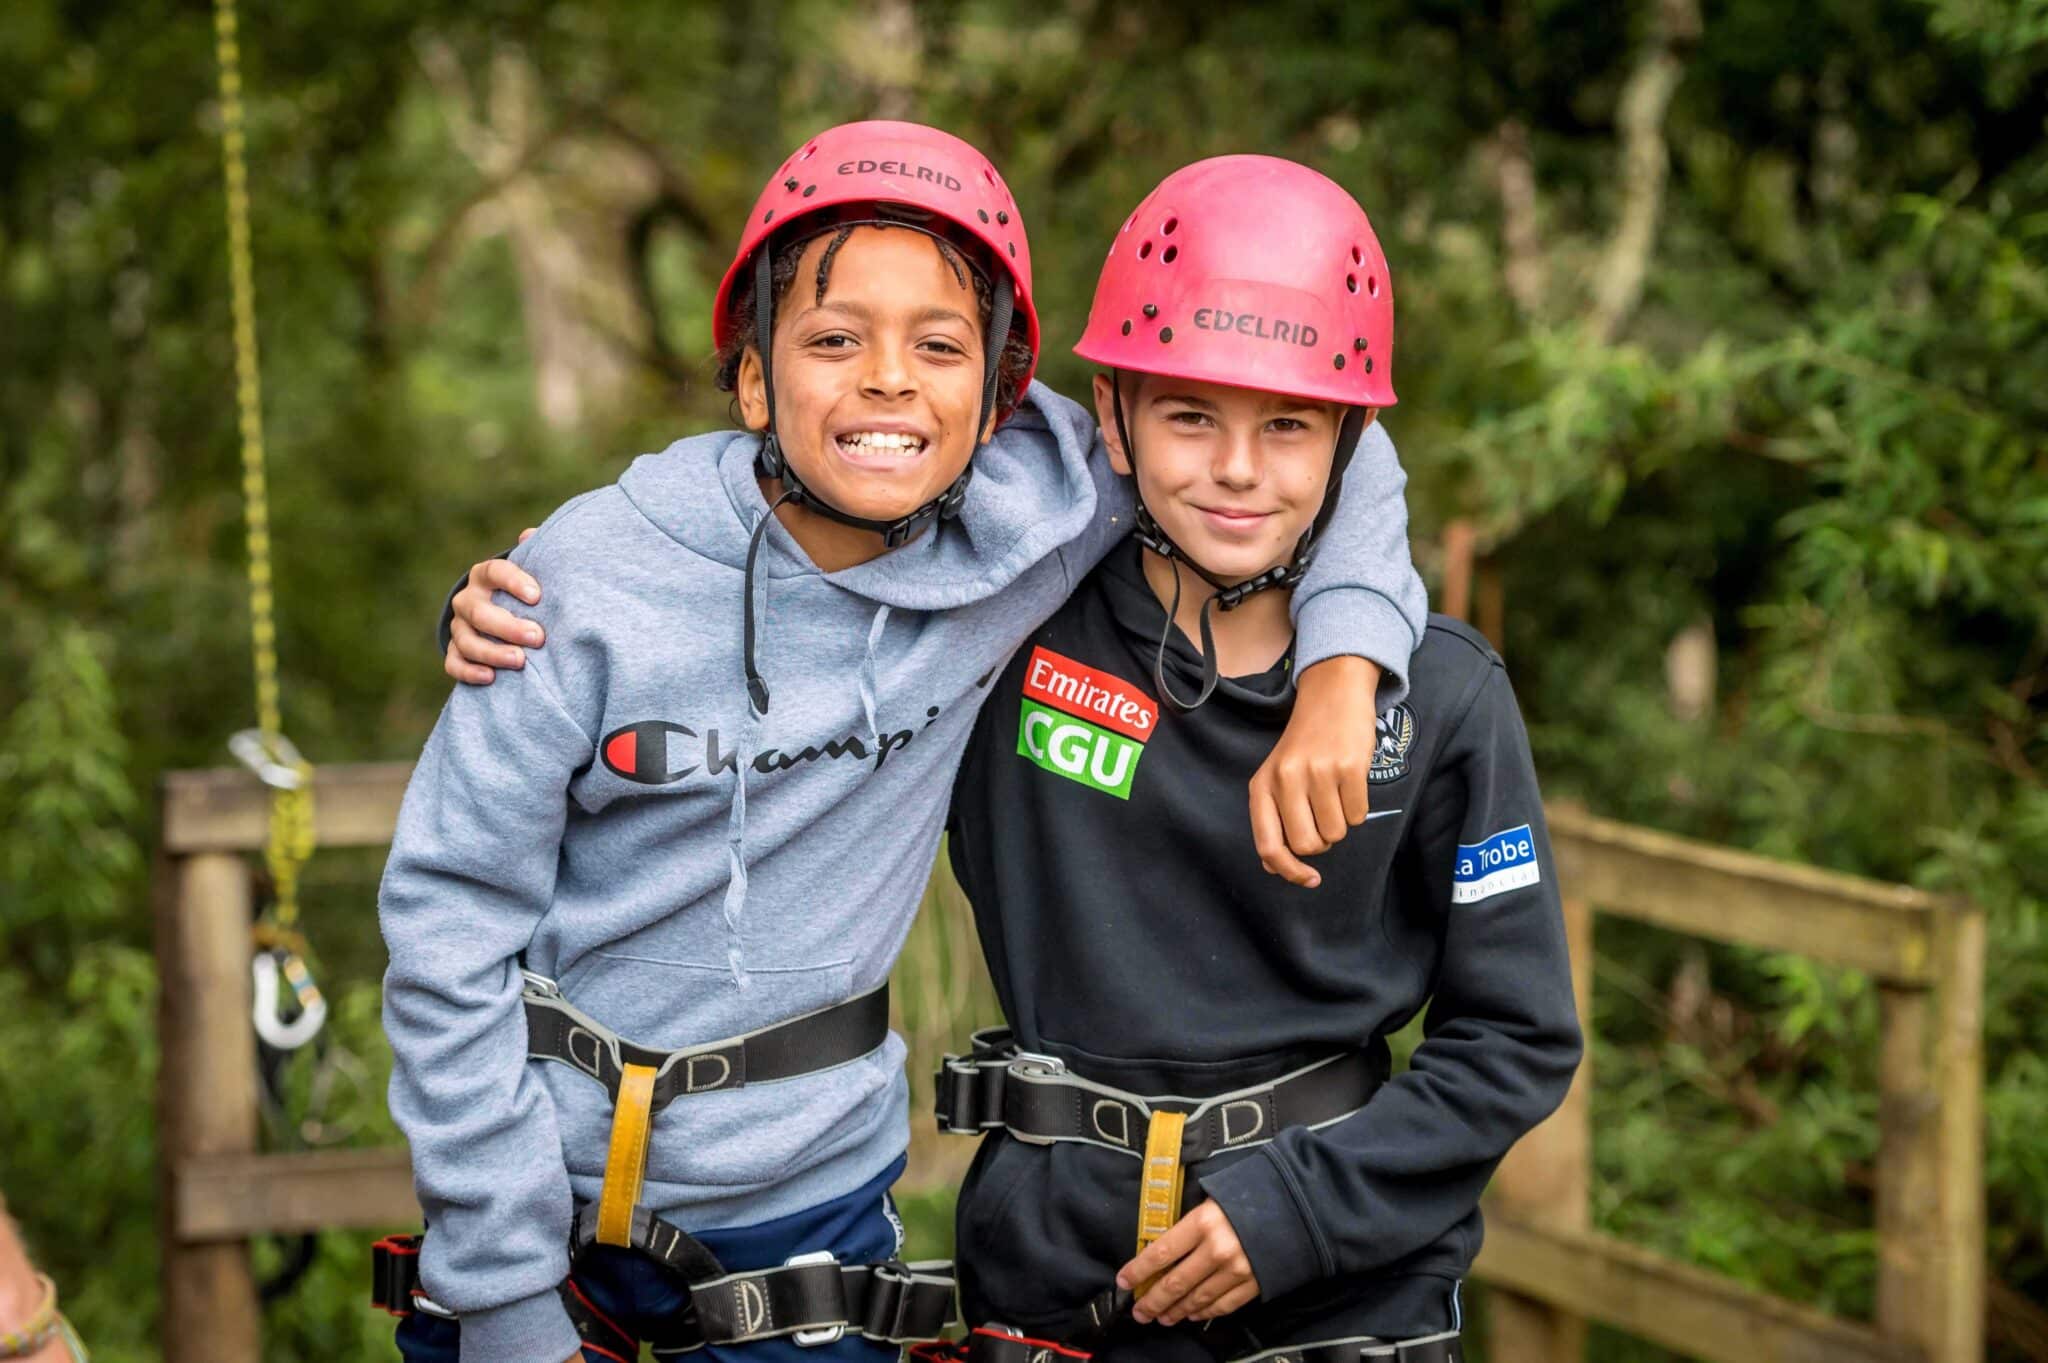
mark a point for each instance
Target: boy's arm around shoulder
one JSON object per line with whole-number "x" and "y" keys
{"x": 1361, "y": 594}
{"x": 1358, "y": 614}
{"x": 471, "y": 874}
{"x": 1501, "y": 1039}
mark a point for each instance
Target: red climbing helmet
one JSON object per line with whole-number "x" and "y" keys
{"x": 906, "y": 166}
{"x": 1250, "y": 271}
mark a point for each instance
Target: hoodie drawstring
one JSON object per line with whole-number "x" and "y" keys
{"x": 867, "y": 674}
{"x": 757, "y": 689}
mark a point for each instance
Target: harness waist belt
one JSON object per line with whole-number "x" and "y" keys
{"x": 1000, "y": 1344}
{"x": 558, "y": 1030}
{"x": 813, "y": 1296}
{"x": 997, "y": 1086}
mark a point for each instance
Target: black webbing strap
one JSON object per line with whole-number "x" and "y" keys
{"x": 395, "y": 1288}
{"x": 999, "y": 1345}
{"x": 557, "y": 1030}
{"x": 813, "y": 1296}
{"x": 1443, "y": 1348}
{"x": 1036, "y": 1099}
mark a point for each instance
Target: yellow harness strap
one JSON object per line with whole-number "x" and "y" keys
{"x": 626, "y": 1164}
{"x": 1159, "y": 1191}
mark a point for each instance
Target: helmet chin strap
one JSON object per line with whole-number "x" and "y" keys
{"x": 771, "y": 462}
{"x": 1228, "y": 595}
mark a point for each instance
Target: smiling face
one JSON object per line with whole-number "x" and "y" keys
{"x": 1233, "y": 476}
{"x": 877, "y": 382}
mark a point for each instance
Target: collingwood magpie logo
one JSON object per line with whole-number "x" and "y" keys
{"x": 1396, "y": 736}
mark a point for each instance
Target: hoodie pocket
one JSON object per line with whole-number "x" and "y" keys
{"x": 670, "y": 1004}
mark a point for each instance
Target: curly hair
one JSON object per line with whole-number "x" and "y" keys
{"x": 1011, "y": 369}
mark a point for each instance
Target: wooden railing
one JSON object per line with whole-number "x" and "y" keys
{"x": 1553, "y": 1273}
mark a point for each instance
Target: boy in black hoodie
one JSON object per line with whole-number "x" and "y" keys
{"x": 1290, "y": 1199}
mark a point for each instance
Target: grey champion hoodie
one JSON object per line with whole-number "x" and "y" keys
{"x": 776, "y": 866}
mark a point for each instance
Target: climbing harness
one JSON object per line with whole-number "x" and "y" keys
{"x": 641, "y": 1081}
{"x": 1001, "y": 1344}
{"x": 813, "y": 1297}
{"x": 998, "y": 1086}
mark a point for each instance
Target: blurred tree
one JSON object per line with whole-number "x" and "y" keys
{"x": 1722, "y": 327}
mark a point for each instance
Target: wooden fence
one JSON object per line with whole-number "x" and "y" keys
{"x": 1551, "y": 1272}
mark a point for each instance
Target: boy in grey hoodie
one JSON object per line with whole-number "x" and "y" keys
{"x": 710, "y": 805}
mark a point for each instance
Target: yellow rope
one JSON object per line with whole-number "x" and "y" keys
{"x": 291, "y": 811}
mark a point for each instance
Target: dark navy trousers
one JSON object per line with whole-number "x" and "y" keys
{"x": 638, "y": 1295}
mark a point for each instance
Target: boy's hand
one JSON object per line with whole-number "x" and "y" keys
{"x": 483, "y": 636}
{"x": 1200, "y": 1269}
{"x": 1311, "y": 789}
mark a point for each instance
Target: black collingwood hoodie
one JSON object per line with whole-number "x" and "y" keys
{"x": 1131, "y": 932}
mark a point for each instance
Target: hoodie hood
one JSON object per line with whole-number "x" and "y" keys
{"x": 1031, "y": 493}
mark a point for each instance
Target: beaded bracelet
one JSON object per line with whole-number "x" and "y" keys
{"x": 40, "y": 1329}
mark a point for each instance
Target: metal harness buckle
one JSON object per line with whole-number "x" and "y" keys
{"x": 828, "y": 1334}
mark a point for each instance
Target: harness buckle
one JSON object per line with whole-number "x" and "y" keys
{"x": 888, "y": 1300}
{"x": 1040, "y": 1062}
{"x": 829, "y": 1334}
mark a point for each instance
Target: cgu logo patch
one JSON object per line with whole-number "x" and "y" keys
{"x": 1083, "y": 724}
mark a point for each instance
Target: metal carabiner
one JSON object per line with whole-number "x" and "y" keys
{"x": 274, "y": 1031}
{"x": 275, "y": 760}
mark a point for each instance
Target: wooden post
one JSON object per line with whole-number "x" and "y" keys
{"x": 1930, "y": 1193}
{"x": 1548, "y": 1178}
{"x": 1460, "y": 542}
{"x": 1490, "y": 605}
{"x": 206, "y": 1088}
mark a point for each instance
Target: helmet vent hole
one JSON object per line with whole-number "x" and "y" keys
{"x": 1151, "y": 309}
{"x": 1372, "y": 285}
{"x": 988, "y": 173}
{"x": 981, "y": 213}
{"x": 1166, "y": 333}
{"x": 1351, "y": 282}
{"x": 809, "y": 190}
{"x": 1338, "y": 360}
{"x": 1003, "y": 218}
{"x": 808, "y": 152}
{"x": 1013, "y": 249}
{"x": 1127, "y": 326}
{"x": 1167, "y": 256}
{"x": 1357, "y": 256}
{"x": 769, "y": 216}
{"x": 1167, "y": 229}
{"x": 1368, "y": 364}
{"x": 1145, "y": 251}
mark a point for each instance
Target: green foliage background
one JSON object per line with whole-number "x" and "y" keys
{"x": 1816, "y": 437}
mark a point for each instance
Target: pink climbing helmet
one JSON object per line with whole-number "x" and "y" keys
{"x": 897, "y": 166}
{"x": 1250, "y": 271}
